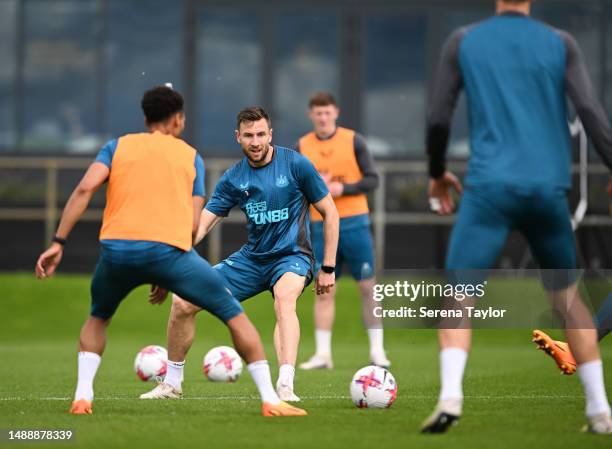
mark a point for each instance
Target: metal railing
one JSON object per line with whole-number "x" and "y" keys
{"x": 51, "y": 211}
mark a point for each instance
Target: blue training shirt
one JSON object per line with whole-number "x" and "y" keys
{"x": 516, "y": 72}
{"x": 275, "y": 199}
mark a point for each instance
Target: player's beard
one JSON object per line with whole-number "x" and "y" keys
{"x": 262, "y": 155}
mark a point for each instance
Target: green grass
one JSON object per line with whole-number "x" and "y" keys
{"x": 514, "y": 395}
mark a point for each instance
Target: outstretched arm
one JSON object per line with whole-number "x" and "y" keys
{"x": 95, "y": 176}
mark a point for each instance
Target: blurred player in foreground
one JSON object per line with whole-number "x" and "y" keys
{"x": 274, "y": 187}
{"x": 150, "y": 174}
{"x": 516, "y": 73}
{"x": 342, "y": 157}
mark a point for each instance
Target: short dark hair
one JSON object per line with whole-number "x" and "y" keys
{"x": 160, "y": 103}
{"x": 252, "y": 114}
{"x": 322, "y": 99}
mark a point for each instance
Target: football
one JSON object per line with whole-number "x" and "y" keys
{"x": 222, "y": 364}
{"x": 151, "y": 363}
{"x": 373, "y": 387}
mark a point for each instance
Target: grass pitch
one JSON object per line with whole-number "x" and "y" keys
{"x": 515, "y": 396}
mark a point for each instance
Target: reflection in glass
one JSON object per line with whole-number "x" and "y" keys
{"x": 228, "y": 75}
{"x": 60, "y": 76}
{"x": 144, "y": 48}
{"x": 8, "y": 10}
{"x": 307, "y": 47}
{"x": 395, "y": 91}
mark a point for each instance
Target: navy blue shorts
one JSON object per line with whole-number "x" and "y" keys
{"x": 355, "y": 247}
{"x": 184, "y": 273}
{"x": 487, "y": 214}
{"x": 246, "y": 277}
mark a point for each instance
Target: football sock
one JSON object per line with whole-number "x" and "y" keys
{"x": 452, "y": 365}
{"x": 260, "y": 372}
{"x": 591, "y": 376}
{"x": 286, "y": 373}
{"x": 376, "y": 341}
{"x": 88, "y": 363}
{"x": 174, "y": 374}
{"x": 323, "y": 342}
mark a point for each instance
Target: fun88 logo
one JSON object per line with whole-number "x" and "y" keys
{"x": 259, "y": 213}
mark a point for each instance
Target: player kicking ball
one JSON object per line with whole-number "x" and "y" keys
{"x": 516, "y": 73}
{"x": 149, "y": 174}
{"x": 274, "y": 187}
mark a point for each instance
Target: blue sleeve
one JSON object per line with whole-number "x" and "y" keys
{"x": 107, "y": 152}
{"x": 309, "y": 180}
{"x": 198, "y": 182}
{"x": 222, "y": 200}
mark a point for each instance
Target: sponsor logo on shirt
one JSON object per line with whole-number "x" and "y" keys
{"x": 259, "y": 213}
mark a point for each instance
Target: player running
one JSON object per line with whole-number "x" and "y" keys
{"x": 516, "y": 73}
{"x": 341, "y": 156}
{"x": 274, "y": 187}
{"x": 148, "y": 175}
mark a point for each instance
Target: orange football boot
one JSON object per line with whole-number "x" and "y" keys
{"x": 281, "y": 409}
{"x": 558, "y": 350}
{"x": 81, "y": 407}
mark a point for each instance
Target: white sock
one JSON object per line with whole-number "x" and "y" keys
{"x": 323, "y": 342}
{"x": 452, "y": 365}
{"x": 376, "y": 341}
{"x": 88, "y": 366}
{"x": 286, "y": 373}
{"x": 174, "y": 374}
{"x": 260, "y": 372}
{"x": 591, "y": 376}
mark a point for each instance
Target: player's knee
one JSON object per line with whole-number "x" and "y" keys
{"x": 182, "y": 309}
{"x": 366, "y": 287}
{"x": 284, "y": 303}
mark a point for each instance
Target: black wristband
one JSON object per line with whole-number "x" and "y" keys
{"x": 327, "y": 269}
{"x": 59, "y": 240}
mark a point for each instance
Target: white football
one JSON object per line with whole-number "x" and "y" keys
{"x": 222, "y": 364}
{"x": 373, "y": 387}
{"x": 151, "y": 363}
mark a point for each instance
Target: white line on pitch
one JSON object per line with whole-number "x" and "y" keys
{"x": 314, "y": 398}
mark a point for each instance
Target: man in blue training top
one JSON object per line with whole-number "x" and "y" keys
{"x": 516, "y": 73}
{"x": 274, "y": 187}
{"x": 141, "y": 243}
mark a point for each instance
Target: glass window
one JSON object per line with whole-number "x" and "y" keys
{"x": 609, "y": 62}
{"x": 8, "y": 18}
{"x": 582, "y": 20}
{"x": 229, "y": 68}
{"x": 144, "y": 48}
{"x": 59, "y": 108}
{"x": 306, "y": 62}
{"x": 395, "y": 86}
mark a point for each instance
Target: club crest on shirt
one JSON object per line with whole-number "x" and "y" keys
{"x": 282, "y": 181}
